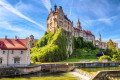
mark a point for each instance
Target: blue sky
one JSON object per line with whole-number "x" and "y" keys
{"x": 26, "y": 17}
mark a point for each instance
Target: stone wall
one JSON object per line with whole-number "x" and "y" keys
{"x": 96, "y": 64}
{"x": 8, "y": 71}
{"x": 106, "y": 75}
{"x": 37, "y": 68}
{"x": 29, "y": 69}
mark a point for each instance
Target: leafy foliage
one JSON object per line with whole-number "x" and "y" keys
{"x": 111, "y": 46}
{"x": 84, "y": 53}
{"x": 50, "y": 48}
{"x": 106, "y": 57}
{"x": 83, "y": 49}
{"x": 116, "y": 57}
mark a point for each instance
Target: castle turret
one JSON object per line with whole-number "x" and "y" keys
{"x": 55, "y": 7}
{"x": 78, "y": 25}
{"x": 99, "y": 37}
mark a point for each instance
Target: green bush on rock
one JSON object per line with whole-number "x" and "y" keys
{"x": 50, "y": 48}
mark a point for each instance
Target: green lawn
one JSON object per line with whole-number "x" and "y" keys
{"x": 78, "y": 60}
{"x": 68, "y": 60}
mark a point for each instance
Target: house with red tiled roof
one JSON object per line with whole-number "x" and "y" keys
{"x": 103, "y": 45}
{"x": 14, "y": 52}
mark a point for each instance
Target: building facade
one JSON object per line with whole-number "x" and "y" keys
{"x": 103, "y": 45}
{"x": 57, "y": 19}
{"x": 78, "y": 32}
{"x": 14, "y": 52}
{"x": 32, "y": 41}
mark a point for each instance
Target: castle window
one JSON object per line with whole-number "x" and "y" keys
{"x": 51, "y": 24}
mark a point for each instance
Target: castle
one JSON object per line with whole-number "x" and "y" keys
{"x": 57, "y": 19}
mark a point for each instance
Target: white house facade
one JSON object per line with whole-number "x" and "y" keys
{"x": 14, "y": 52}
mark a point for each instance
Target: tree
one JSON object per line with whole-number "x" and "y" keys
{"x": 45, "y": 33}
{"x": 116, "y": 56}
{"x": 111, "y": 46}
{"x": 80, "y": 42}
{"x": 73, "y": 43}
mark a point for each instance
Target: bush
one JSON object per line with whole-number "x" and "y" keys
{"x": 83, "y": 49}
{"x": 106, "y": 57}
{"x": 116, "y": 56}
{"x": 84, "y": 53}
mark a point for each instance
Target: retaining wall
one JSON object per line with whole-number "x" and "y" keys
{"x": 96, "y": 64}
{"x": 106, "y": 75}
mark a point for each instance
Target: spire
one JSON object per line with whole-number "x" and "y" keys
{"x": 78, "y": 25}
{"x": 78, "y": 20}
{"x": 50, "y": 9}
{"x": 55, "y": 7}
{"x": 99, "y": 37}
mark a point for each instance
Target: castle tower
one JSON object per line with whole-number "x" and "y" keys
{"x": 55, "y": 7}
{"x": 99, "y": 37}
{"x": 78, "y": 25}
{"x": 57, "y": 19}
{"x": 31, "y": 37}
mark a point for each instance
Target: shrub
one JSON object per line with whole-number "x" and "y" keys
{"x": 106, "y": 57}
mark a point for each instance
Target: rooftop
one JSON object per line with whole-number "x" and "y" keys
{"x": 13, "y": 44}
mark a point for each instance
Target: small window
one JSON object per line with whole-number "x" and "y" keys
{"x": 12, "y": 52}
{"x": 21, "y": 52}
{"x": 16, "y": 60}
{"x": 3, "y": 52}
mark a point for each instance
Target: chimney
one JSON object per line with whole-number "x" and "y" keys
{"x": 15, "y": 37}
{"x": 5, "y": 37}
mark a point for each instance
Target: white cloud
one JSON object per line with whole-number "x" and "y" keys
{"x": 12, "y": 9}
{"x": 20, "y": 31}
{"x": 70, "y": 9}
{"x": 105, "y": 20}
{"x": 47, "y": 4}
